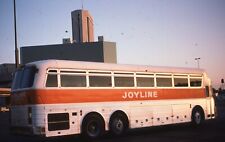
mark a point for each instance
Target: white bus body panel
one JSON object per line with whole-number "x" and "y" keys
{"x": 140, "y": 113}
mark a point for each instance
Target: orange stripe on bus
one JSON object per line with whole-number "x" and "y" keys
{"x": 56, "y": 96}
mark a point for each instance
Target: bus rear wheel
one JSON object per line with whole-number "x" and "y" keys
{"x": 93, "y": 126}
{"x": 118, "y": 124}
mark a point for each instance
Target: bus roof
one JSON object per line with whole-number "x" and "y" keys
{"x": 66, "y": 64}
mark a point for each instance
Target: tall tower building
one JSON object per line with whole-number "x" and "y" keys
{"x": 82, "y": 26}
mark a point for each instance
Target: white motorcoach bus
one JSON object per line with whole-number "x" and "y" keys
{"x": 56, "y": 98}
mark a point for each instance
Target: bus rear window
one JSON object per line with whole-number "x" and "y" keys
{"x": 17, "y": 79}
{"x": 24, "y": 78}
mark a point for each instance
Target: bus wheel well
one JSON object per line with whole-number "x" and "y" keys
{"x": 93, "y": 125}
{"x": 197, "y": 115}
{"x": 118, "y": 123}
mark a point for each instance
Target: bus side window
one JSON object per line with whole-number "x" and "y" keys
{"x": 164, "y": 82}
{"x": 124, "y": 81}
{"x": 145, "y": 82}
{"x": 52, "y": 80}
{"x": 196, "y": 82}
{"x": 180, "y": 82}
{"x": 100, "y": 81}
{"x": 73, "y": 80}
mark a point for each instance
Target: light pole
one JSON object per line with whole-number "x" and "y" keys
{"x": 197, "y": 59}
{"x": 16, "y": 49}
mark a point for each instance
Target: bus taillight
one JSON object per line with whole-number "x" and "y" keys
{"x": 29, "y": 115}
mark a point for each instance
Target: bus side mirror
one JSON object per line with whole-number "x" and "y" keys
{"x": 222, "y": 80}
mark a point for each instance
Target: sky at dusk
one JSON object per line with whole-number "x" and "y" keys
{"x": 147, "y": 32}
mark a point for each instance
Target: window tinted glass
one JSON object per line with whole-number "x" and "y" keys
{"x": 164, "y": 82}
{"x": 196, "y": 82}
{"x": 24, "y": 78}
{"x": 17, "y": 79}
{"x": 73, "y": 80}
{"x": 124, "y": 81}
{"x": 52, "y": 80}
{"x": 100, "y": 81}
{"x": 145, "y": 82}
{"x": 28, "y": 77}
{"x": 180, "y": 82}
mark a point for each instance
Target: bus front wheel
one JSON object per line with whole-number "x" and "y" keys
{"x": 197, "y": 116}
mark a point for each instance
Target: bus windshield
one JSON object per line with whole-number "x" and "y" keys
{"x": 24, "y": 78}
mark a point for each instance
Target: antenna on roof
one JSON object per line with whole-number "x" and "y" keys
{"x": 82, "y": 2}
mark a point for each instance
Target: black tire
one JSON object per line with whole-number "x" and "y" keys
{"x": 197, "y": 116}
{"x": 93, "y": 126}
{"x": 118, "y": 124}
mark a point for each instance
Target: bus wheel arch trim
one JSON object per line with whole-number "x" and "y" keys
{"x": 118, "y": 123}
{"x": 93, "y": 125}
{"x": 198, "y": 115}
